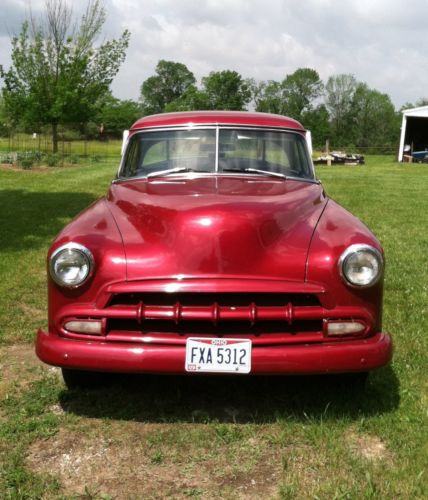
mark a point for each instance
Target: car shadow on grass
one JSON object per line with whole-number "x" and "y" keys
{"x": 204, "y": 399}
{"x": 29, "y": 219}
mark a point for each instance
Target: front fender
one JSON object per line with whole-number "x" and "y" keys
{"x": 336, "y": 230}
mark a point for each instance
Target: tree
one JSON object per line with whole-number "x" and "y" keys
{"x": 4, "y": 121}
{"x": 317, "y": 120}
{"x": 57, "y": 74}
{"x": 374, "y": 120}
{"x": 301, "y": 89}
{"x": 220, "y": 90}
{"x": 226, "y": 90}
{"x": 293, "y": 97}
{"x": 269, "y": 98}
{"x": 339, "y": 92}
{"x": 193, "y": 99}
{"x": 422, "y": 101}
{"x": 172, "y": 82}
{"x": 116, "y": 115}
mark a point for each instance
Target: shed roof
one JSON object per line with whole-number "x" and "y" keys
{"x": 421, "y": 111}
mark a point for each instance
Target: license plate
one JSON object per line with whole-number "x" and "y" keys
{"x": 218, "y": 355}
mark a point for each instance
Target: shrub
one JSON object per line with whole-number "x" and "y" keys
{"x": 73, "y": 159}
{"x": 26, "y": 163}
{"x": 52, "y": 160}
{"x": 26, "y": 159}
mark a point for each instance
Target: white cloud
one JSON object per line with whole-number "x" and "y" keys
{"x": 382, "y": 42}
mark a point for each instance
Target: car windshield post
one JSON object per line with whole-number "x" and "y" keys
{"x": 217, "y": 133}
{"x": 217, "y": 149}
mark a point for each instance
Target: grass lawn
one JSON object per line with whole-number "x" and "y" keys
{"x": 157, "y": 437}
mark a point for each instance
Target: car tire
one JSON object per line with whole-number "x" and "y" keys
{"x": 82, "y": 379}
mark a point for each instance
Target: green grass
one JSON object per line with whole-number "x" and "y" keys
{"x": 34, "y": 206}
{"x": 207, "y": 438}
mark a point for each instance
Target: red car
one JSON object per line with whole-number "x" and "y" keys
{"x": 215, "y": 250}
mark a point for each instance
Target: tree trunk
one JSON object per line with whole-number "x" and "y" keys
{"x": 55, "y": 138}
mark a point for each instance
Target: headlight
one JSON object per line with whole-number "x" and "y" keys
{"x": 71, "y": 265}
{"x": 361, "y": 265}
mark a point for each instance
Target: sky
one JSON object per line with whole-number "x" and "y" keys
{"x": 382, "y": 42}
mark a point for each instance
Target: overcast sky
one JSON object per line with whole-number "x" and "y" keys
{"x": 381, "y": 42}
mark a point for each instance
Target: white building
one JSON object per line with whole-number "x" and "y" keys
{"x": 414, "y": 131}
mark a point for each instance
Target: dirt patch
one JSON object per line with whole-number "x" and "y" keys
{"x": 261, "y": 482}
{"x": 19, "y": 366}
{"x": 37, "y": 314}
{"x": 369, "y": 447}
{"x": 19, "y": 358}
{"x": 122, "y": 461}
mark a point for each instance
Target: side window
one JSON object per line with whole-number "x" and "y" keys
{"x": 303, "y": 157}
{"x": 131, "y": 159}
{"x": 298, "y": 158}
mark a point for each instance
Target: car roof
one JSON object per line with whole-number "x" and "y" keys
{"x": 244, "y": 118}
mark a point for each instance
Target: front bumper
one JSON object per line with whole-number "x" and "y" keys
{"x": 335, "y": 357}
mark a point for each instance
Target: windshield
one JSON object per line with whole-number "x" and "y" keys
{"x": 219, "y": 150}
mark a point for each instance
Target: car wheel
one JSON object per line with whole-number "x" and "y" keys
{"x": 84, "y": 379}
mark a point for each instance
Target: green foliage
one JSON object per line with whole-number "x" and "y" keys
{"x": 270, "y": 98}
{"x": 373, "y": 117}
{"x": 226, "y": 90}
{"x": 170, "y": 83}
{"x": 301, "y": 89}
{"x": 26, "y": 159}
{"x": 4, "y": 120}
{"x": 173, "y": 89}
{"x": 26, "y": 163}
{"x": 339, "y": 93}
{"x": 359, "y": 115}
{"x": 193, "y": 99}
{"x": 73, "y": 159}
{"x": 57, "y": 74}
{"x": 52, "y": 160}
{"x": 293, "y": 97}
{"x": 317, "y": 120}
{"x": 116, "y": 115}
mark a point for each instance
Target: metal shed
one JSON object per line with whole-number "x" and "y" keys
{"x": 414, "y": 131}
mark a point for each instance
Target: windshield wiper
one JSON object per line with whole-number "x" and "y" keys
{"x": 161, "y": 173}
{"x": 256, "y": 171}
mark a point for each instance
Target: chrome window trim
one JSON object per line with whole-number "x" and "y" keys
{"x": 217, "y": 128}
{"x": 217, "y": 138}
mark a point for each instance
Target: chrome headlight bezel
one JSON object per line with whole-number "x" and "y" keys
{"x": 83, "y": 252}
{"x": 355, "y": 249}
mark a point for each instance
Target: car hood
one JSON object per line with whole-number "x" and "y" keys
{"x": 216, "y": 226}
